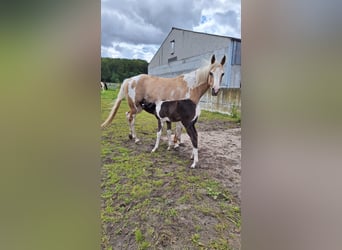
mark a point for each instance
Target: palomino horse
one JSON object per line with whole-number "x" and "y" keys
{"x": 151, "y": 89}
{"x": 186, "y": 111}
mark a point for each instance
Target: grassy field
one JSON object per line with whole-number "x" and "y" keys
{"x": 154, "y": 200}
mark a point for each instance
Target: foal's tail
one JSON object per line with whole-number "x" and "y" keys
{"x": 116, "y": 106}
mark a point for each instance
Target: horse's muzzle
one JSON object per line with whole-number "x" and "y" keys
{"x": 213, "y": 93}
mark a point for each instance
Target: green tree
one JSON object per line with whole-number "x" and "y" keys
{"x": 118, "y": 69}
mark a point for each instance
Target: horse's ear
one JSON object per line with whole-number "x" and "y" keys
{"x": 223, "y": 60}
{"x": 212, "y": 59}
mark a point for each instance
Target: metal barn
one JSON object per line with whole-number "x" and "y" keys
{"x": 183, "y": 51}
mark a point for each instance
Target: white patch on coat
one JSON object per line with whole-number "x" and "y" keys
{"x": 190, "y": 79}
{"x": 158, "y": 108}
{"x": 198, "y": 112}
{"x": 195, "y": 155}
{"x": 157, "y": 141}
{"x": 165, "y": 119}
{"x": 131, "y": 90}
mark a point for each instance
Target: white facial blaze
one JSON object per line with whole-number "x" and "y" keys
{"x": 216, "y": 78}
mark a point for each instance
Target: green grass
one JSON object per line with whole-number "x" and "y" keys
{"x": 138, "y": 236}
{"x": 153, "y": 201}
{"x": 234, "y": 117}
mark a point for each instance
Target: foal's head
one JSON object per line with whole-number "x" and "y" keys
{"x": 215, "y": 75}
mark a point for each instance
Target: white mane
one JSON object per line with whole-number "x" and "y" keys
{"x": 200, "y": 75}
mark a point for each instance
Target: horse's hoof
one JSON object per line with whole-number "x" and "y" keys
{"x": 137, "y": 140}
{"x": 130, "y": 136}
{"x": 193, "y": 166}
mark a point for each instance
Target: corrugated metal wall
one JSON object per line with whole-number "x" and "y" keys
{"x": 176, "y": 68}
{"x": 187, "y": 44}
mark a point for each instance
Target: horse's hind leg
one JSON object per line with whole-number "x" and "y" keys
{"x": 160, "y": 128}
{"x": 131, "y": 120}
{"x": 168, "y": 131}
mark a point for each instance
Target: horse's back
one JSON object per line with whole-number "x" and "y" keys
{"x": 153, "y": 88}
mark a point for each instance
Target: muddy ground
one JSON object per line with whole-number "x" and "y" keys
{"x": 220, "y": 156}
{"x": 155, "y": 201}
{"x": 219, "y": 152}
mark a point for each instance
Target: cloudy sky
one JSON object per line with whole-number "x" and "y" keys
{"x": 136, "y": 28}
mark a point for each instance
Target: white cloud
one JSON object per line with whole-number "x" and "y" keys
{"x": 212, "y": 23}
{"x": 136, "y": 29}
{"x": 131, "y": 51}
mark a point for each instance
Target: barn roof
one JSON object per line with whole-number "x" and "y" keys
{"x": 203, "y": 33}
{"x": 196, "y": 32}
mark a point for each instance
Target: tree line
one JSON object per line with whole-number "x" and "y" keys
{"x": 118, "y": 69}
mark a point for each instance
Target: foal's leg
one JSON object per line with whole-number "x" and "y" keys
{"x": 169, "y": 134}
{"x": 160, "y": 128}
{"x": 131, "y": 120}
{"x": 191, "y": 130}
{"x": 178, "y": 133}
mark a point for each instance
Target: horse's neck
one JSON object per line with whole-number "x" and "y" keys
{"x": 198, "y": 91}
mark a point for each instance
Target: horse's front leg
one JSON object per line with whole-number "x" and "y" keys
{"x": 160, "y": 128}
{"x": 131, "y": 121}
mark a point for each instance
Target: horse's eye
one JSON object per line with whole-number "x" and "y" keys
{"x": 211, "y": 73}
{"x": 222, "y": 74}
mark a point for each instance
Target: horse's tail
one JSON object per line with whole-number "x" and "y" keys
{"x": 116, "y": 106}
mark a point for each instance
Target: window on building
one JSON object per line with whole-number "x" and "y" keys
{"x": 172, "y": 47}
{"x": 236, "y": 55}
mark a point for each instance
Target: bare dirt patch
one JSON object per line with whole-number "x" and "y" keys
{"x": 219, "y": 153}
{"x": 219, "y": 159}
{"x": 220, "y": 156}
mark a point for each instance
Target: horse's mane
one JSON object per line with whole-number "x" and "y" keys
{"x": 203, "y": 72}
{"x": 200, "y": 75}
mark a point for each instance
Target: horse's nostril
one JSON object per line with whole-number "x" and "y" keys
{"x": 213, "y": 92}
